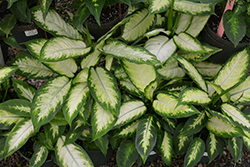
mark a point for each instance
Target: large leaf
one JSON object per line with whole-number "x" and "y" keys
{"x": 6, "y": 72}
{"x": 19, "y": 107}
{"x": 49, "y": 99}
{"x": 30, "y": 67}
{"x": 236, "y": 147}
{"x": 7, "y": 23}
{"x": 23, "y": 89}
{"x": 221, "y": 128}
{"x": 7, "y": 118}
{"x": 76, "y": 98}
{"x": 166, "y": 148}
{"x": 146, "y": 136}
{"x": 161, "y": 46}
{"x": 130, "y": 111}
{"x": 138, "y": 25}
{"x": 197, "y": 25}
{"x": 158, "y": 6}
{"x": 54, "y": 24}
{"x": 18, "y": 136}
{"x": 192, "y": 72}
{"x": 71, "y": 155}
{"x": 194, "y": 153}
{"x": 101, "y": 120}
{"x": 238, "y": 117}
{"x": 123, "y": 51}
{"x": 126, "y": 154}
{"x": 165, "y": 105}
{"x": 104, "y": 89}
{"x": 61, "y": 48}
{"x": 234, "y": 71}
{"x": 39, "y": 156}
{"x": 214, "y": 146}
{"x": 141, "y": 75}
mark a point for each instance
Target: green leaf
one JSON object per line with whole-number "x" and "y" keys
{"x": 7, "y": 23}
{"x": 53, "y": 132}
{"x": 234, "y": 71}
{"x": 49, "y": 99}
{"x": 192, "y": 8}
{"x": 29, "y": 67}
{"x": 188, "y": 43}
{"x": 103, "y": 143}
{"x": 161, "y": 46}
{"x": 166, "y": 148}
{"x": 61, "y": 48}
{"x": 75, "y": 131}
{"x": 85, "y": 112}
{"x": 91, "y": 60}
{"x": 165, "y": 105}
{"x": 10, "y": 40}
{"x": 141, "y": 75}
{"x": 221, "y": 128}
{"x": 17, "y": 106}
{"x": 23, "y": 89}
{"x": 235, "y": 28}
{"x": 6, "y": 72}
{"x": 71, "y": 155}
{"x": 238, "y": 117}
{"x": 194, "y": 153}
{"x": 7, "y": 118}
{"x": 95, "y": 8}
{"x": 2, "y": 145}
{"x": 18, "y": 136}
{"x": 128, "y": 130}
{"x": 158, "y": 6}
{"x": 194, "y": 96}
{"x": 80, "y": 16}
{"x": 146, "y": 136}
{"x": 39, "y": 156}
{"x": 45, "y": 4}
{"x": 246, "y": 139}
{"x": 207, "y": 69}
{"x": 130, "y": 111}
{"x": 126, "y": 154}
{"x": 235, "y": 145}
{"x": 214, "y": 146}
{"x": 54, "y": 23}
{"x": 76, "y": 98}
{"x": 155, "y": 32}
{"x": 59, "y": 119}
{"x": 192, "y": 72}
{"x": 138, "y": 25}
{"x": 184, "y": 23}
{"x": 104, "y": 89}
{"x": 122, "y": 51}
{"x": 82, "y": 76}
{"x": 197, "y": 25}
{"x": 101, "y": 120}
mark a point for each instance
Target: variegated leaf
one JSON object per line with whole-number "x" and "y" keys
{"x": 238, "y": 117}
{"x": 141, "y": 75}
{"x": 167, "y": 148}
{"x": 85, "y": 111}
{"x": 171, "y": 70}
{"x": 34, "y": 46}
{"x": 19, "y": 107}
{"x": 158, "y": 6}
{"x": 235, "y": 145}
{"x": 225, "y": 97}
{"x": 146, "y": 136}
{"x": 49, "y": 99}
{"x": 246, "y": 139}
{"x": 7, "y": 118}
{"x": 54, "y": 24}
{"x": 161, "y": 46}
{"x": 207, "y": 69}
{"x": 61, "y": 48}
{"x": 165, "y": 105}
{"x": 128, "y": 130}
{"x": 104, "y": 89}
{"x": 71, "y": 155}
{"x": 184, "y": 23}
{"x": 108, "y": 62}
{"x": 103, "y": 144}
{"x": 138, "y": 25}
{"x": 18, "y": 136}
{"x": 82, "y": 76}
{"x": 6, "y": 72}
{"x": 194, "y": 124}
{"x": 23, "y": 89}
{"x": 150, "y": 89}
{"x": 241, "y": 94}
{"x": 221, "y": 116}
{"x": 53, "y": 132}
{"x": 192, "y": 8}
{"x": 123, "y": 51}
{"x": 75, "y": 131}
{"x": 188, "y": 43}
{"x": 214, "y": 146}
{"x": 91, "y": 60}
{"x": 192, "y": 72}
{"x": 197, "y": 25}
{"x": 126, "y": 154}
{"x": 76, "y": 98}
{"x": 234, "y": 71}
{"x": 130, "y": 111}
{"x": 156, "y": 32}
{"x": 39, "y": 156}
{"x": 101, "y": 120}
{"x": 194, "y": 153}
{"x": 221, "y": 128}
{"x": 30, "y": 67}
{"x": 59, "y": 119}
{"x": 194, "y": 96}
{"x": 168, "y": 124}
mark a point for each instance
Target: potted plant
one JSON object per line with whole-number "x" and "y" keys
{"x": 229, "y": 30}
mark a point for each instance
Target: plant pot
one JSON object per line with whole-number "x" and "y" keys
{"x": 97, "y": 31}
{"x": 228, "y": 48}
{"x": 3, "y": 53}
{"x": 98, "y": 157}
{"x": 24, "y": 33}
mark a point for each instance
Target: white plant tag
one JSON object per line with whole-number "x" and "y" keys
{"x": 152, "y": 153}
{"x": 31, "y": 32}
{"x": 205, "y": 154}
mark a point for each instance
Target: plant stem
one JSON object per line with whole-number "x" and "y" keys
{"x": 175, "y": 24}
{"x": 5, "y": 94}
{"x": 170, "y": 16}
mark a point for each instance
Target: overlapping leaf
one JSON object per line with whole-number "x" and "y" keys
{"x": 19, "y": 107}
{"x": 6, "y": 72}
{"x": 23, "y": 89}
{"x": 39, "y": 156}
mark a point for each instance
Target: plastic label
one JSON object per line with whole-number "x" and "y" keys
{"x": 31, "y": 32}
{"x": 205, "y": 154}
